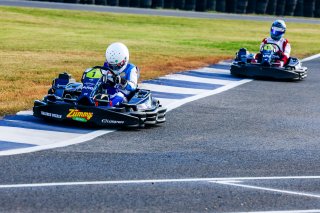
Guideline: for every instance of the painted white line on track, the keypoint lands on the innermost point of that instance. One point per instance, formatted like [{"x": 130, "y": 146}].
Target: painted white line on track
[
  {"x": 235, "y": 183},
  {"x": 171, "y": 89},
  {"x": 311, "y": 58},
  {"x": 182, "y": 77},
  {"x": 25, "y": 113},
  {"x": 215, "y": 69},
  {"x": 81, "y": 183},
  {"x": 77, "y": 140},
  {"x": 206, "y": 94},
  {"x": 285, "y": 211},
  {"x": 32, "y": 136}
]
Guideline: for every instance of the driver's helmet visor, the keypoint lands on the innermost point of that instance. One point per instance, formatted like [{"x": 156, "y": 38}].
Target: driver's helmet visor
[
  {"x": 277, "y": 31},
  {"x": 118, "y": 66}
]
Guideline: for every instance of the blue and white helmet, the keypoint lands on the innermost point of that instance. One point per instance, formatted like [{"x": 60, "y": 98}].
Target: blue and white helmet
[{"x": 278, "y": 28}]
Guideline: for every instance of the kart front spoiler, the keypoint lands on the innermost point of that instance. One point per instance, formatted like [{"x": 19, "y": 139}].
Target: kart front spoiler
[
  {"x": 258, "y": 71},
  {"x": 99, "y": 116}
]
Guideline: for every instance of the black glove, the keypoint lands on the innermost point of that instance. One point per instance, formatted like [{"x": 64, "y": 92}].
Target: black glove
[{"x": 119, "y": 80}]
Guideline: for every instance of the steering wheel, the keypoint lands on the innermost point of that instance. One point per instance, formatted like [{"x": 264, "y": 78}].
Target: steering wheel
[
  {"x": 105, "y": 68},
  {"x": 105, "y": 79},
  {"x": 275, "y": 46}
]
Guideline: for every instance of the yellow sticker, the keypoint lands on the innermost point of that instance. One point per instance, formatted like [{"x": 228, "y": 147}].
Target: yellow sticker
[
  {"x": 76, "y": 114},
  {"x": 268, "y": 47},
  {"x": 94, "y": 73}
]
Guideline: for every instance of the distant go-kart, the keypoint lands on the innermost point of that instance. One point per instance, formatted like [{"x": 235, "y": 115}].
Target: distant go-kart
[
  {"x": 267, "y": 66},
  {"x": 87, "y": 102}
]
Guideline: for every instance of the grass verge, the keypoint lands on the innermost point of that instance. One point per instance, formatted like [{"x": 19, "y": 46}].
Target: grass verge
[{"x": 37, "y": 44}]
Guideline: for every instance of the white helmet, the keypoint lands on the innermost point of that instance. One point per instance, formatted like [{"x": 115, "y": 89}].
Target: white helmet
[{"x": 117, "y": 56}]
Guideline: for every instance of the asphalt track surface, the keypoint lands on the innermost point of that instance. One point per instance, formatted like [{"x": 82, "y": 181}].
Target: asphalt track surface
[
  {"x": 259, "y": 129},
  {"x": 162, "y": 12},
  {"x": 252, "y": 148}
]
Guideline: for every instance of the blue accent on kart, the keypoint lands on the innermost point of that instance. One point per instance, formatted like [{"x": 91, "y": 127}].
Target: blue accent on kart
[
  {"x": 91, "y": 80},
  {"x": 116, "y": 100},
  {"x": 267, "y": 54},
  {"x": 184, "y": 84},
  {"x": 219, "y": 76},
  {"x": 60, "y": 83},
  {"x": 170, "y": 95},
  {"x": 5, "y": 145}
]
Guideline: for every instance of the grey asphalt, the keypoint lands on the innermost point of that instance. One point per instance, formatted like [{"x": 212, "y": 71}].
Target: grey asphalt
[
  {"x": 259, "y": 129},
  {"x": 159, "y": 12}
]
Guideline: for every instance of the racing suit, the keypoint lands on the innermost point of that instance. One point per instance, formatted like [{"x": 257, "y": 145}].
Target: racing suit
[
  {"x": 119, "y": 93},
  {"x": 284, "y": 45}
]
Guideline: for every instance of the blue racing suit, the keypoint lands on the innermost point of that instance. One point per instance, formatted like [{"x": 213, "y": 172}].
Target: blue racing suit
[{"x": 120, "y": 92}]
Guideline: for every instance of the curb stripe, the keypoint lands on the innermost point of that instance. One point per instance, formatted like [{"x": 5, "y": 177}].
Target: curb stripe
[
  {"x": 6, "y": 145},
  {"x": 170, "y": 89},
  {"x": 211, "y": 75},
  {"x": 185, "y": 84},
  {"x": 170, "y": 95},
  {"x": 198, "y": 79}
]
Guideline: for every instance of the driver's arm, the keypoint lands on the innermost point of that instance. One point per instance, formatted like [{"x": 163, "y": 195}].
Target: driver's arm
[
  {"x": 286, "y": 51},
  {"x": 264, "y": 41},
  {"x": 132, "y": 81}
]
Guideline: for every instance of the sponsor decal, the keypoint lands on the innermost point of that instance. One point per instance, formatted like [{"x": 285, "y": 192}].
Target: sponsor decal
[
  {"x": 93, "y": 74},
  {"x": 77, "y": 115},
  {"x": 48, "y": 114},
  {"x": 107, "y": 121},
  {"x": 87, "y": 87}
]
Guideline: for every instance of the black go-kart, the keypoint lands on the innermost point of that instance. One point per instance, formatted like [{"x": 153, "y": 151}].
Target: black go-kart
[
  {"x": 267, "y": 66},
  {"x": 87, "y": 102}
]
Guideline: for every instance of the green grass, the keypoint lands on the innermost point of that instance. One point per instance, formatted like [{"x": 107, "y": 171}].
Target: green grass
[{"x": 37, "y": 44}]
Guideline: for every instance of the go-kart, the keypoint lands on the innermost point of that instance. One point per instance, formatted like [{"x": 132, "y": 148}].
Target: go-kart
[
  {"x": 68, "y": 100},
  {"x": 267, "y": 66}
]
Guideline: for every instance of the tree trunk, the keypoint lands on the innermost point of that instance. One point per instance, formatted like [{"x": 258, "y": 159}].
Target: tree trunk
[
  {"x": 272, "y": 6},
  {"x": 157, "y": 3},
  {"x": 211, "y": 4},
  {"x": 317, "y": 9},
  {"x": 231, "y": 6},
  {"x": 261, "y": 6},
  {"x": 168, "y": 4},
  {"x": 299, "y": 8},
  {"x": 113, "y": 2},
  {"x": 308, "y": 9},
  {"x": 221, "y": 5},
  {"x": 280, "y": 7},
  {"x": 179, "y": 4},
  {"x": 190, "y": 5},
  {"x": 241, "y": 6},
  {"x": 251, "y": 8},
  {"x": 134, "y": 3},
  {"x": 201, "y": 5},
  {"x": 290, "y": 7},
  {"x": 124, "y": 3},
  {"x": 146, "y": 3}
]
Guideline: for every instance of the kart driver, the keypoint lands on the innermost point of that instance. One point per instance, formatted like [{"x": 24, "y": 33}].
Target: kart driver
[
  {"x": 125, "y": 82},
  {"x": 278, "y": 29}
]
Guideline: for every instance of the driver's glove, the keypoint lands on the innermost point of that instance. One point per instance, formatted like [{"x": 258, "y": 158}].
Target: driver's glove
[{"x": 120, "y": 80}]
